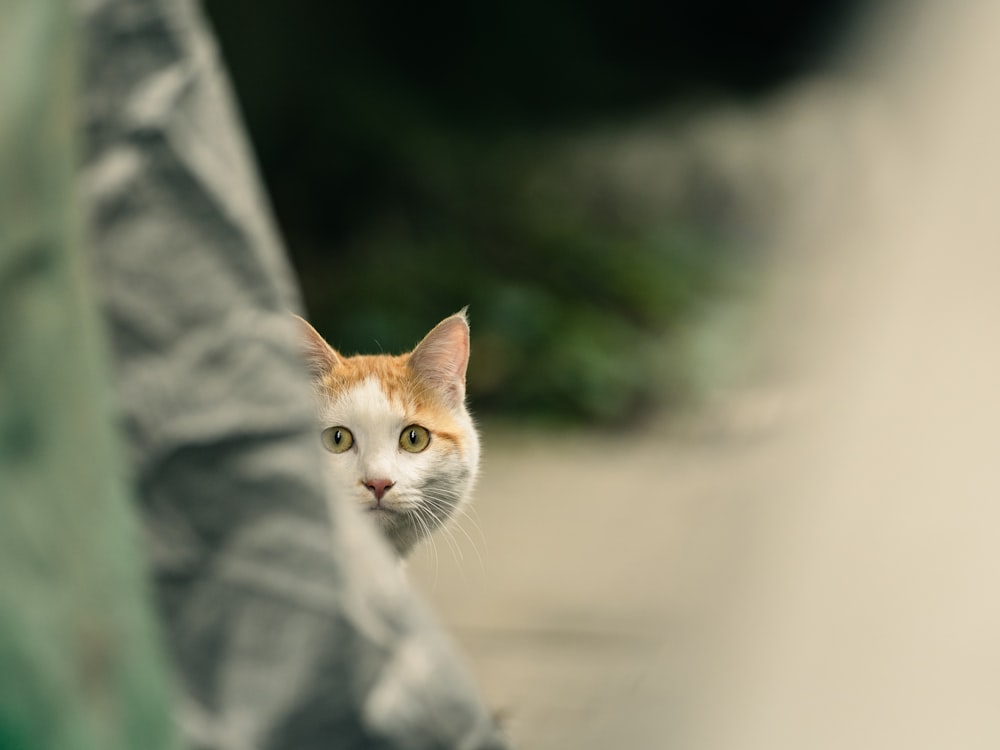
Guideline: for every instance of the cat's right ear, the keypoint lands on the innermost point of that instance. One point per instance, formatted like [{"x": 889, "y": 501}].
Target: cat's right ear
[{"x": 319, "y": 356}]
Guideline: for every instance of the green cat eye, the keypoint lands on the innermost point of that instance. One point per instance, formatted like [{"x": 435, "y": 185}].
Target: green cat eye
[
  {"x": 414, "y": 438},
  {"x": 337, "y": 439}
]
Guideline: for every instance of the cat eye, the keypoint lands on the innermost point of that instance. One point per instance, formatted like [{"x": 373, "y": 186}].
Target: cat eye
[
  {"x": 337, "y": 439},
  {"x": 414, "y": 438}
]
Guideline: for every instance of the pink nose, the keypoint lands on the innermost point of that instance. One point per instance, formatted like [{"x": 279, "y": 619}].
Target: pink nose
[{"x": 379, "y": 486}]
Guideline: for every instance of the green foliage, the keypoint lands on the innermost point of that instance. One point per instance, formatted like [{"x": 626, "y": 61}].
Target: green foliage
[
  {"x": 570, "y": 303},
  {"x": 418, "y": 160}
]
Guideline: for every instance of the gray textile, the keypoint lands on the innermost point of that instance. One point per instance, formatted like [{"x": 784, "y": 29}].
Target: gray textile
[{"x": 288, "y": 624}]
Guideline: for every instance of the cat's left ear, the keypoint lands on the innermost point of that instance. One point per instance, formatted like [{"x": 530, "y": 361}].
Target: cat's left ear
[
  {"x": 443, "y": 356},
  {"x": 319, "y": 355}
]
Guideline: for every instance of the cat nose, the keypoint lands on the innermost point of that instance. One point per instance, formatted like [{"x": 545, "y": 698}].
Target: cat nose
[{"x": 379, "y": 486}]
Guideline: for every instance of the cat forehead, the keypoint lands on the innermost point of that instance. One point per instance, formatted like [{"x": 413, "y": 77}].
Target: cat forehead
[
  {"x": 390, "y": 373},
  {"x": 380, "y": 395},
  {"x": 366, "y": 400}
]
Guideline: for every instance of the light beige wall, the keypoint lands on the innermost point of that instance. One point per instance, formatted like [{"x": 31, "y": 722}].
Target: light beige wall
[{"x": 868, "y": 613}]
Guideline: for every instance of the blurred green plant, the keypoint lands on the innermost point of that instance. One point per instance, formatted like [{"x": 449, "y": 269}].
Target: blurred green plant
[
  {"x": 572, "y": 298},
  {"x": 81, "y": 662},
  {"x": 421, "y": 157}
]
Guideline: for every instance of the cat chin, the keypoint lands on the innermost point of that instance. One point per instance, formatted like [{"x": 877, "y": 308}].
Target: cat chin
[
  {"x": 384, "y": 518},
  {"x": 401, "y": 537},
  {"x": 395, "y": 527}
]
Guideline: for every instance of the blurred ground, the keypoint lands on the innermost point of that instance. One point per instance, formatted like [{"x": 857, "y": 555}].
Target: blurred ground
[
  {"x": 593, "y": 560},
  {"x": 815, "y": 568},
  {"x": 590, "y": 587}
]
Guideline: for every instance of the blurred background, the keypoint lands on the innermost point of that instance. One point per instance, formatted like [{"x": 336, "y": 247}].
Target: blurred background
[
  {"x": 763, "y": 237},
  {"x": 546, "y": 165}
]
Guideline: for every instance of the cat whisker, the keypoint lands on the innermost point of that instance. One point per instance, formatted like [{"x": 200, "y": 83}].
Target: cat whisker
[
  {"x": 450, "y": 532},
  {"x": 423, "y": 531},
  {"x": 453, "y": 542},
  {"x": 450, "y": 508},
  {"x": 472, "y": 542},
  {"x": 465, "y": 513},
  {"x": 449, "y": 539}
]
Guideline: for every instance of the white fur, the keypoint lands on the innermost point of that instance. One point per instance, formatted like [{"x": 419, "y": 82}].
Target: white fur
[{"x": 428, "y": 486}]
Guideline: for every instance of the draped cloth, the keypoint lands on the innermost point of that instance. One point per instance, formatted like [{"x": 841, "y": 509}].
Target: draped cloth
[{"x": 286, "y": 622}]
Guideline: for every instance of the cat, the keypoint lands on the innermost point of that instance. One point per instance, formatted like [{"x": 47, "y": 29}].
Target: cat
[{"x": 400, "y": 442}]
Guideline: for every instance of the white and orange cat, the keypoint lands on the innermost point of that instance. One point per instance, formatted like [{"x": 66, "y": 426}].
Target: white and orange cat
[{"x": 400, "y": 440}]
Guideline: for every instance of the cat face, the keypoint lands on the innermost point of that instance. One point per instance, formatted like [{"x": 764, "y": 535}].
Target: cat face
[{"x": 399, "y": 441}]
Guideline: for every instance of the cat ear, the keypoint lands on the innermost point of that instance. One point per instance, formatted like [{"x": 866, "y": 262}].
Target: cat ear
[
  {"x": 320, "y": 357},
  {"x": 443, "y": 356}
]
